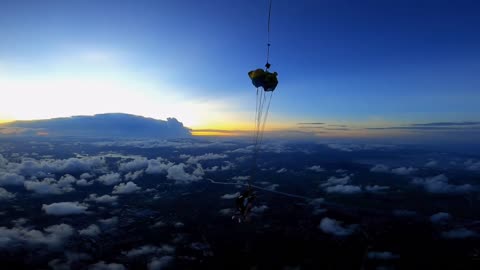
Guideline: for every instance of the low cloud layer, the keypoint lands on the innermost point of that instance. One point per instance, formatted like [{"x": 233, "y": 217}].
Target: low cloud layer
[
  {"x": 335, "y": 227},
  {"x": 64, "y": 208}
]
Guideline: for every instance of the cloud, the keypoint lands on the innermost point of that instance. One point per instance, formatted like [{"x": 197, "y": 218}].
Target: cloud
[
  {"x": 86, "y": 176},
  {"x": 259, "y": 209},
  {"x": 443, "y": 124},
  {"x": 440, "y": 217},
  {"x": 208, "y": 156},
  {"x": 282, "y": 170},
  {"x": 127, "y": 188},
  {"x": 336, "y": 181},
  {"x": 344, "y": 189},
  {"x": 316, "y": 168},
  {"x": 460, "y": 233},
  {"x": 102, "y": 199},
  {"x": 160, "y": 263},
  {"x": 231, "y": 196},
  {"x": 177, "y": 173},
  {"x": 382, "y": 255},
  {"x": 133, "y": 175},
  {"x": 84, "y": 183},
  {"x": 472, "y": 165},
  {"x": 7, "y": 178},
  {"x": 227, "y": 211},
  {"x": 53, "y": 237},
  {"x": 48, "y": 186},
  {"x": 334, "y": 227},
  {"x": 71, "y": 257},
  {"x": 439, "y": 184},
  {"x": 431, "y": 163},
  {"x": 272, "y": 187},
  {"x": 110, "y": 179},
  {"x": 64, "y": 208},
  {"x": 404, "y": 170},
  {"x": 310, "y": 123},
  {"x": 380, "y": 168},
  {"x": 158, "y": 166},
  {"x": 5, "y": 195},
  {"x": 33, "y": 167},
  {"x": 108, "y": 222},
  {"x": 103, "y": 266},
  {"x": 149, "y": 249},
  {"x": 91, "y": 231},
  {"x": 138, "y": 163}
]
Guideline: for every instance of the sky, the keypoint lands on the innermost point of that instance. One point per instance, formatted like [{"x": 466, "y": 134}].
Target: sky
[{"x": 361, "y": 68}]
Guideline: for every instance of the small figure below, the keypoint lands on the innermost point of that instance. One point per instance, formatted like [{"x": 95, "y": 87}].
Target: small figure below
[
  {"x": 265, "y": 79},
  {"x": 244, "y": 205}
]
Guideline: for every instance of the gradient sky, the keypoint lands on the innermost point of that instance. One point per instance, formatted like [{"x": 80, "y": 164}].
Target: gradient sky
[{"x": 353, "y": 64}]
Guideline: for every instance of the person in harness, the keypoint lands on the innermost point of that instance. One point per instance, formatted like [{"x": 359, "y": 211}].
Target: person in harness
[{"x": 244, "y": 204}]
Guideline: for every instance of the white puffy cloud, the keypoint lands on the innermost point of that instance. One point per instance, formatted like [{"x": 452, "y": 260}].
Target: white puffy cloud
[
  {"x": 158, "y": 166},
  {"x": 110, "y": 179},
  {"x": 336, "y": 181},
  {"x": 380, "y": 168},
  {"x": 316, "y": 168},
  {"x": 344, "y": 189},
  {"x": 64, "y": 208},
  {"x": 104, "y": 266},
  {"x": 133, "y": 175},
  {"x": 138, "y": 163},
  {"x": 259, "y": 209},
  {"x": 7, "y": 178},
  {"x": 440, "y": 217},
  {"x": 86, "y": 176},
  {"x": 70, "y": 257},
  {"x": 33, "y": 167},
  {"x": 439, "y": 184},
  {"x": 48, "y": 186},
  {"x": 178, "y": 173},
  {"x": 231, "y": 196},
  {"x": 83, "y": 183},
  {"x": 91, "y": 231},
  {"x": 108, "y": 222},
  {"x": 53, "y": 237},
  {"x": 5, "y": 195},
  {"x": 102, "y": 199},
  {"x": 404, "y": 170},
  {"x": 160, "y": 263},
  {"x": 127, "y": 188},
  {"x": 149, "y": 249},
  {"x": 459, "y": 233},
  {"x": 382, "y": 255},
  {"x": 208, "y": 156},
  {"x": 431, "y": 163},
  {"x": 332, "y": 226}
]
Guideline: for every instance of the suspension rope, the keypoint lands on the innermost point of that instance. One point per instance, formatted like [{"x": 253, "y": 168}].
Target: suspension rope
[
  {"x": 267, "y": 65},
  {"x": 261, "y": 188}
]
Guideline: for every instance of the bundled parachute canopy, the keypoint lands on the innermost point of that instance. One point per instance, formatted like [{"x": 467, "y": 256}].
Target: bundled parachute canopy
[{"x": 265, "y": 79}]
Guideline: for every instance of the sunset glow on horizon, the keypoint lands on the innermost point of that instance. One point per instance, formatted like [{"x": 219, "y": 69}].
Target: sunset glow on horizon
[{"x": 148, "y": 59}]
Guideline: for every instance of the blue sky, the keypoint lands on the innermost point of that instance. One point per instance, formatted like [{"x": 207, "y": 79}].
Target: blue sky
[{"x": 357, "y": 63}]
